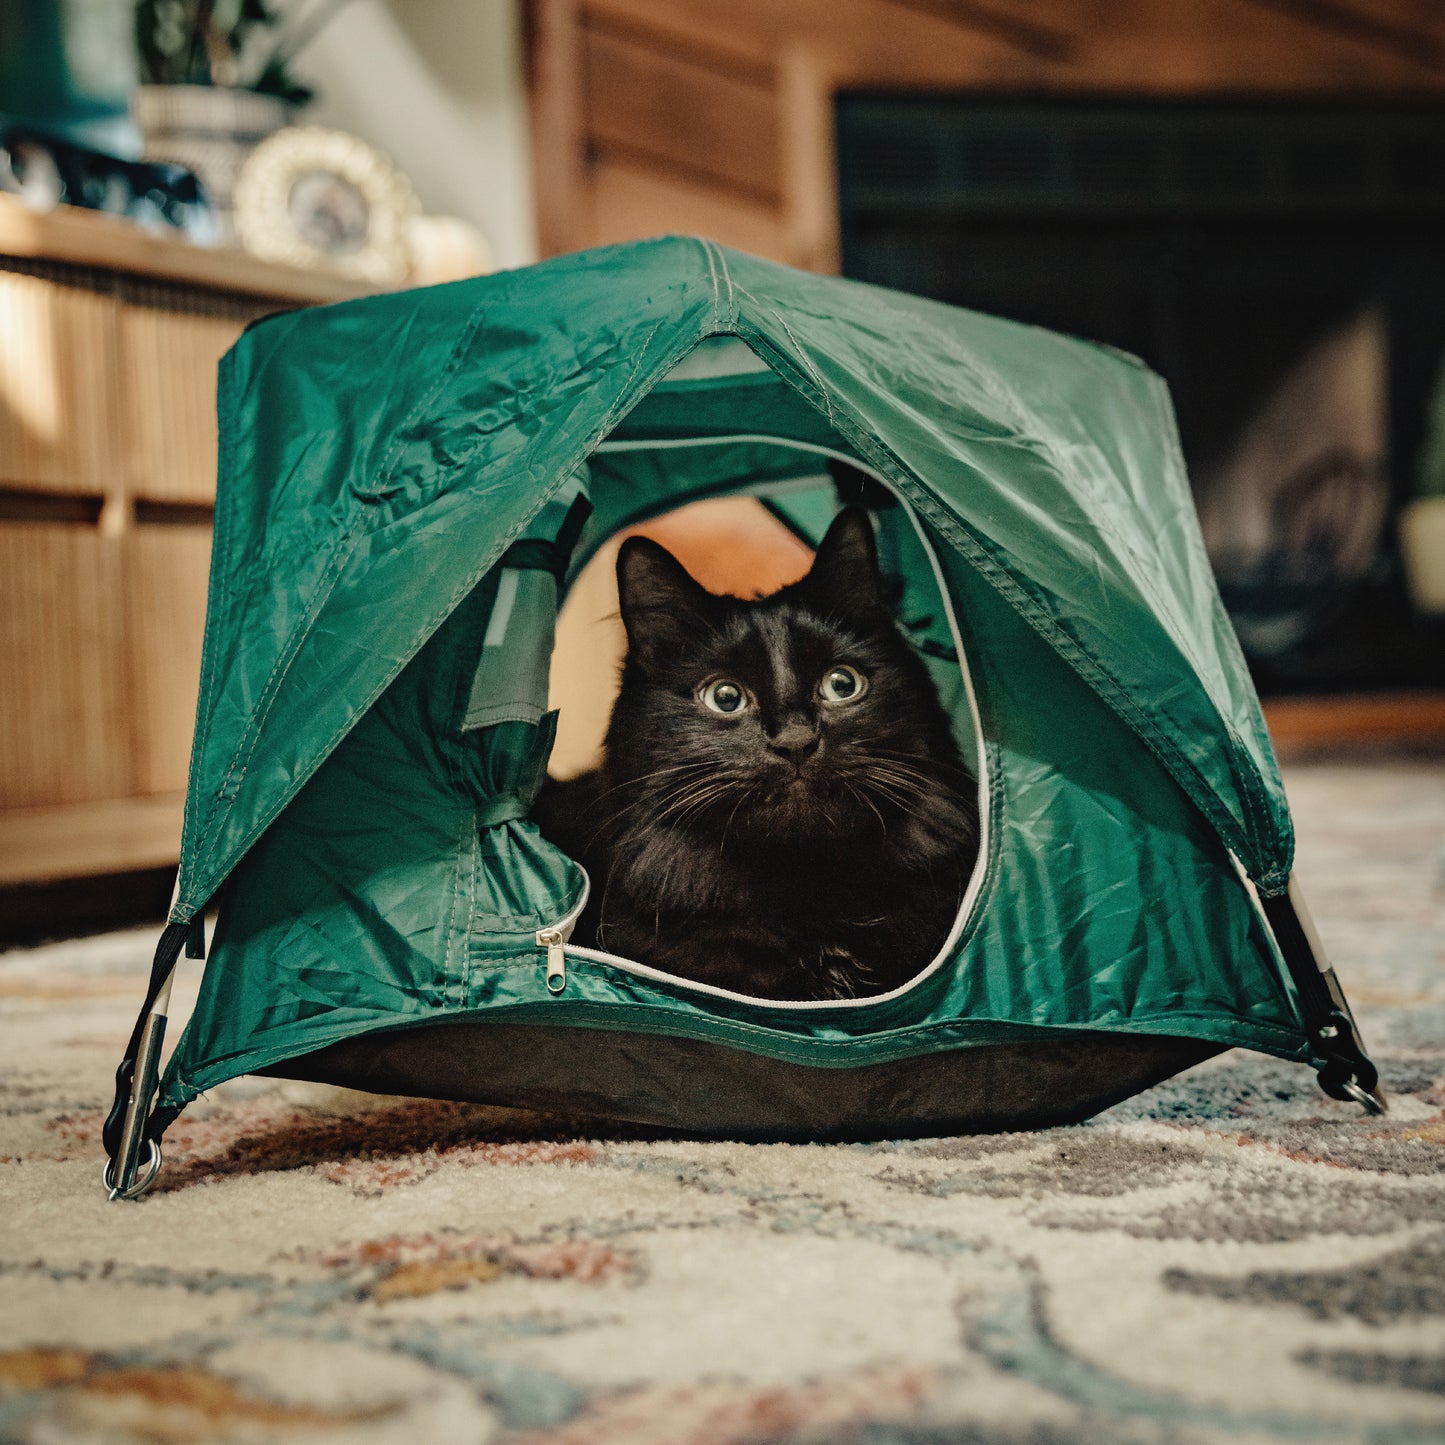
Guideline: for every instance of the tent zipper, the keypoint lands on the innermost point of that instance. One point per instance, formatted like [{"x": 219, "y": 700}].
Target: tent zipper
[
  {"x": 555, "y": 935},
  {"x": 552, "y": 940}
]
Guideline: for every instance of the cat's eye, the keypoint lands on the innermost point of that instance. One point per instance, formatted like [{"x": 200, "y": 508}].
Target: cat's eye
[
  {"x": 842, "y": 684},
  {"x": 724, "y": 696}
]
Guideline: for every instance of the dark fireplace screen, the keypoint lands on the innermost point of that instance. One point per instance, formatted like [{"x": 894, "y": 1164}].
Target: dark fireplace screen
[{"x": 1283, "y": 266}]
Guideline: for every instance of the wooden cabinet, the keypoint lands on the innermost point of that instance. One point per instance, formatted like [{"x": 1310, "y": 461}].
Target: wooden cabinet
[{"x": 109, "y": 340}]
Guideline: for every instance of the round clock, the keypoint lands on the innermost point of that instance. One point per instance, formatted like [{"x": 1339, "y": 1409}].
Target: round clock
[{"x": 309, "y": 196}]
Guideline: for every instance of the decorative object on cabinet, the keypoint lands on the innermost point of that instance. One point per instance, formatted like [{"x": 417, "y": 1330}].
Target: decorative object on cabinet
[
  {"x": 209, "y": 129},
  {"x": 320, "y": 198},
  {"x": 45, "y": 171},
  {"x": 446, "y": 248},
  {"x": 218, "y": 81}
]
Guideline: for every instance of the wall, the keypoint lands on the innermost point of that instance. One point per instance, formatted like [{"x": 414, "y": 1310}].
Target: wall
[{"x": 437, "y": 85}]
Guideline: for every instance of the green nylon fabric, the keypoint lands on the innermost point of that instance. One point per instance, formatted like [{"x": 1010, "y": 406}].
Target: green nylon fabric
[
  {"x": 361, "y": 778},
  {"x": 356, "y": 439},
  {"x": 378, "y": 901}
]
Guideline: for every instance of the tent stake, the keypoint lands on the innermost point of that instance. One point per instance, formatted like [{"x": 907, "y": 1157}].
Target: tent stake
[
  {"x": 124, "y": 1176},
  {"x": 1348, "y": 1071},
  {"x": 126, "y": 1133}
]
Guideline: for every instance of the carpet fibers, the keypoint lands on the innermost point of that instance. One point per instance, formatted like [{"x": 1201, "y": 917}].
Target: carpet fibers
[{"x": 1229, "y": 1257}]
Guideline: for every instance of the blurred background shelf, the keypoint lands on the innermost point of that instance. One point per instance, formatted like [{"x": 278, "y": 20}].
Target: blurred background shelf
[
  {"x": 116, "y": 835},
  {"x": 109, "y": 243}
]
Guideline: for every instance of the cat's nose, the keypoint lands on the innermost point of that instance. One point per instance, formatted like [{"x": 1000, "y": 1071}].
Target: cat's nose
[{"x": 796, "y": 741}]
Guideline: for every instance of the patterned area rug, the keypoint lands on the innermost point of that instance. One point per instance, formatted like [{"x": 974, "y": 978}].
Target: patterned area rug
[{"x": 1230, "y": 1257}]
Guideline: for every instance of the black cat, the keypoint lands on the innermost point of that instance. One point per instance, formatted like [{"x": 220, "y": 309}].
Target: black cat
[{"x": 782, "y": 810}]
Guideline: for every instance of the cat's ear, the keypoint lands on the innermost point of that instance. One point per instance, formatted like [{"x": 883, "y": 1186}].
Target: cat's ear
[
  {"x": 845, "y": 578},
  {"x": 664, "y": 610}
]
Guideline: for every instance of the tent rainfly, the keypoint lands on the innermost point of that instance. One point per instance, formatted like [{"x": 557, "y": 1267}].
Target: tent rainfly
[{"x": 409, "y": 483}]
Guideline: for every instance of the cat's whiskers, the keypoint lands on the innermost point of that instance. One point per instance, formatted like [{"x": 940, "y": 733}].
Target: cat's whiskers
[
  {"x": 899, "y": 782},
  {"x": 863, "y": 798},
  {"x": 910, "y": 760},
  {"x": 689, "y": 794},
  {"x": 645, "y": 778},
  {"x": 895, "y": 789},
  {"x": 905, "y": 800},
  {"x": 683, "y": 807},
  {"x": 650, "y": 798}
]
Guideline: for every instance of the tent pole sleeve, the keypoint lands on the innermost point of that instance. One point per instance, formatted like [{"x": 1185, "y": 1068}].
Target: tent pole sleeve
[
  {"x": 1347, "y": 1071},
  {"x": 130, "y": 1129}
]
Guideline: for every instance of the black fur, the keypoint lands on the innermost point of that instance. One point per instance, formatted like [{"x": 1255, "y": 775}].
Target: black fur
[{"x": 799, "y": 848}]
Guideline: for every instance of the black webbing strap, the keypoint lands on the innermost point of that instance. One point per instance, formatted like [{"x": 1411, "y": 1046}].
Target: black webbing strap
[
  {"x": 168, "y": 950},
  {"x": 536, "y": 553},
  {"x": 1347, "y": 1072}
]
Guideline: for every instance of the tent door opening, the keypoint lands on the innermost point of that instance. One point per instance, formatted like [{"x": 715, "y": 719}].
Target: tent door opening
[{"x": 805, "y": 503}]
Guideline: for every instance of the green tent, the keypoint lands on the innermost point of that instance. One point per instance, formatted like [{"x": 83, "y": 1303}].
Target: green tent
[{"x": 407, "y": 486}]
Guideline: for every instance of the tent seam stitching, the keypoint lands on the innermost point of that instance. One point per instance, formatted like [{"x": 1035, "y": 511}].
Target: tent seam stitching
[
  {"x": 454, "y": 358},
  {"x": 466, "y": 824},
  {"x": 807, "y": 361},
  {"x": 712, "y": 271},
  {"x": 344, "y": 545},
  {"x": 221, "y": 552},
  {"x": 728, "y": 277},
  {"x": 612, "y": 413},
  {"x": 1179, "y": 766},
  {"x": 342, "y": 551},
  {"x": 458, "y": 597}
]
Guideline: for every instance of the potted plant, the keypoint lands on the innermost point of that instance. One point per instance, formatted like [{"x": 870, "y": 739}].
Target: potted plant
[{"x": 215, "y": 82}]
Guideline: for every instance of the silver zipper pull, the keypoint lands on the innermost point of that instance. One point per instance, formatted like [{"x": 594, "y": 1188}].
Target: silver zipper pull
[{"x": 552, "y": 940}]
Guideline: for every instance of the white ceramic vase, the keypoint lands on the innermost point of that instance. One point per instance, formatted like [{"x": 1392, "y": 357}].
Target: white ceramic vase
[{"x": 209, "y": 129}]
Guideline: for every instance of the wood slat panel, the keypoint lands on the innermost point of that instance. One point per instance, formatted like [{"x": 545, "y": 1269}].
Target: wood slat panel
[
  {"x": 627, "y": 204},
  {"x": 169, "y": 359},
  {"x": 1398, "y": 27},
  {"x": 809, "y": 162},
  {"x": 64, "y": 731},
  {"x": 58, "y": 409},
  {"x": 1045, "y": 28},
  {"x": 663, "y": 160},
  {"x": 1426, "y": 15},
  {"x": 857, "y": 39},
  {"x": 1150, "y": 46},
  {"x": 695, "y": 120},
  {"x": 166, "y": 570},
  {"x": 558, "y": 134},
  {"x": 1221, "y": 46}
]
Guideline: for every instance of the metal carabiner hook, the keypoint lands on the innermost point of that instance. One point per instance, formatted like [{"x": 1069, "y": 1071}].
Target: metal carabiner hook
[
  {"x": 1366, "y": 1100},
  {"x": 145, "y": 1175}
]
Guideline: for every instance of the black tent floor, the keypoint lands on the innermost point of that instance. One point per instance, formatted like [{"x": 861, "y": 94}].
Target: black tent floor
[{"x": 706, "y": 1090}]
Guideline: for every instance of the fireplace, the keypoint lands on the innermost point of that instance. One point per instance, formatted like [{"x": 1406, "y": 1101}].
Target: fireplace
[{"x": 1283, "y": 267}]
